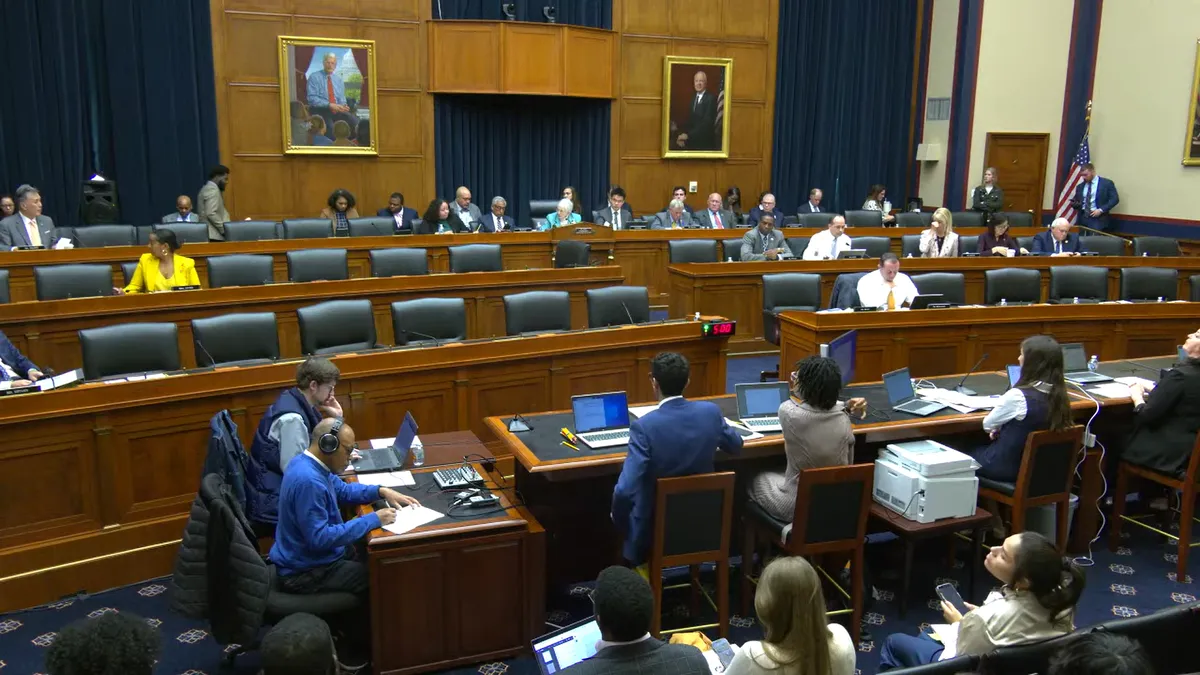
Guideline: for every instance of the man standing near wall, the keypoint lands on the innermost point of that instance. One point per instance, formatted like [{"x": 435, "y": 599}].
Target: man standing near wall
[{"x": 1095, "y": 197}]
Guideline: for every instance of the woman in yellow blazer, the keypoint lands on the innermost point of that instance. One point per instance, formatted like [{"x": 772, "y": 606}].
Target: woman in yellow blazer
[{"x": 161, "y": 269}]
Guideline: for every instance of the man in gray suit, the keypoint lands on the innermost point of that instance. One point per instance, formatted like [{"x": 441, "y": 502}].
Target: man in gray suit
[
  {"x": 27, "y": 227},
  {"x": 673, "y": 218},
  {"x": 212, "y": 202},
  {"x": 714, "y": 217},
  {"x": 624, "y": 607},
  {"x": 763, "y": 241},
  {"x": 183, "y": 212},
  {"x": 464, "y": 210}
]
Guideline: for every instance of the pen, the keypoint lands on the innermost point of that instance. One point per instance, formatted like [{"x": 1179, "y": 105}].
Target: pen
[{"x": 569, "y": 446}]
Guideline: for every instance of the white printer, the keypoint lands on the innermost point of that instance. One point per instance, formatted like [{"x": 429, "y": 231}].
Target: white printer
[{"x": 926, "y": 481}]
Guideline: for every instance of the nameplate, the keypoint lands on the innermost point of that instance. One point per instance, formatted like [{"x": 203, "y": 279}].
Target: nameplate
[
  {"x": 584, "y": 230},
  {"x": 20, "y": 390},
  {"x": 28, "y": 248},
  {"x": 185, "y": 288}
]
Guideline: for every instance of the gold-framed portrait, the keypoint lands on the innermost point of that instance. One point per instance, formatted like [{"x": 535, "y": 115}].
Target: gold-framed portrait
[
  {"x": 1191, "y": 145},
  {"x": 326, "y": 95},
  {"x": 695, "y": 110}
]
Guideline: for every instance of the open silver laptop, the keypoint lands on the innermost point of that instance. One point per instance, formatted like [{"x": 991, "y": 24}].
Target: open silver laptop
[
  {"x": 1075, "y": 363},
  {"x": 758, "y": 404},
  {"x": 601, "y": 420},
  {"x": 903, "y": 397}
]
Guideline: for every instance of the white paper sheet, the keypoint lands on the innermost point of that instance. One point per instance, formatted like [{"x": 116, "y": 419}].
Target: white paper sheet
[
  {"x": 642, "y": 410},
  {"x": 947, "y": 634},
  {"x": 960, "y": 402},
  {"x": 1110, "y": 390},
  {"x": 1128, "y": 381},
  {"x": 387, "y": 479},
  {"x": 411, "y": 517},
  {"x": 738, "y": 425}
]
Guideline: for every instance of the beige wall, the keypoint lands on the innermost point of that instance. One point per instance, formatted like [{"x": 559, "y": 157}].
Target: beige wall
[
  {"x": 943, "y": 34},
  {"x": 1140, "y": 105}
]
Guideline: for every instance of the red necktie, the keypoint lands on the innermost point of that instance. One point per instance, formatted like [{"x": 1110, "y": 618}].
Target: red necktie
[
  {"x": 329, "y": 88},
  {"x": 717, "y": 217}
]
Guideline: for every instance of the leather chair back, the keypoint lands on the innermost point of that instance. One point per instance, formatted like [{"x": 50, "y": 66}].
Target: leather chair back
[
  {"x": 336, "y": 326},
  {"x": 240, "y": 270},
  {"x": 1162, "y": 634},
  {"x": 129, "y": 348},
  {"x": 832, "y": 504},
  {"x": 537, "y": 224},
  {"x": 245, "y": 338},
  {"x": 476, "y": 258},
  {"x": 537, "y": 312},
  {"x": 958, "y": 664},
  {"x": 1102, "y": 245},
  {"x": 540, "y": 208},
  {"x": 318, "y": 264},
  {"x": 1148, "y": 283},
  {"x": 617, "y": 305},
  {"x": 143, "y": 234},
  {"x": 4, "y": 293},
  {"x": 732, "y": 249},
  {"x": 910, "y": 245},
  {"x": 128, "y": 269},
  {"x": 787, "y": 291},
  {"x": 372, "y": 227},
  {"x": 916, "y": 219},
  {"x": 1025, "y": 243},
  {"x": 816, "y": 219},
  {"x": 692, "y": 251},
  {"x": 1015, "y": 219},
  {"x": 96, "y": 236},
  {"x": 845, "y": 290},
  {"x": 1030, "y": 657},
  {"x": 860, "y": 218},
  {"x": 875, "y": 246},
  {"x": 1155, "y": 246},
  {"x": 1083, "y": 282},
  {"x": 797, "y": 245},
  {"x": 82, "y": 280},
  {"x": 398, "y": 262},
  {"x": 1012, "y": 285},
  {"x": 968, "y": 243},
  {"x": 967, "y": 219},
  {"x": 788, "y": 221},
  {"x": 443, "y": 318},
  {"x": 952, "y": 285},
  {"x": 254, "y": 230},
  {"x": 572, "y": 253},
  {"x": 307, "y": 228},
  {"x": 186, "y": 233}
]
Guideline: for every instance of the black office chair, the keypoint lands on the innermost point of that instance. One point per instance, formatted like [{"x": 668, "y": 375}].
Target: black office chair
[
  {"x": 540, "y": 208},
  {"x": 255, "y": 230},
  {"x": 1012, "y": 285},
  {"x": 958, "y": 664},
  {"x": 142, "y": 232},
  {"x": 617, "y": 306},
  {"x": 968, "y": 243},
  {"x": 244, "y": 339},
  {"x": 952, "y": 285},
  {"x": 128, "y": 269},
  {"x": 572, "y": 253},
  {"x": 129, "y": 348},
  {"x": 398, "y": 262},
  {"x": 372, "y": 227},
  {"x": 96, "y": 236},
  {"x": 1031, "y": 657},
  {"x": 536, "y": 224},
  {"x": 910, "y": 245},
  {"x": 336, "y": 326},
  {"x": 875, "y": 246},
  {"x": 1025, "y": 243},
  {"x": 537, "y": 312},
  {"x": 318, "y": 264},
  {"x": 1155, "y": 246},
  {"x": 967, "y": 219},
  {"x": 307, "y": 228},
  {"x": 186, "y": 233},
  {"x": 692, "y": 251},
  {"x": 915, "y": 219},
  {"x": 1164, "y": 634},
  {"x": 81, "y": 280},
  {"x": 1082, "y": 282},
  {"x": 1194, "y": 288},
  {"x": 790, "y": 221},
  {"x": 792, "y": 291},
  {"x": 1103, "y": 245},
  {"x": 1148, "y": 283},
  {"x": 816, "y": 219},
  {"x": 240, "y": 270},
  {"x": 845, "y": 290},
  {"x": 427, "y": 321},
  {"x": 864, "y": 218},
  {"x": 476, "y": 258},
  {"x": 1015, "y": 218},
  {"x": 732, "y": 249},
  {"x": 797, "y": 245},
  {"x": 4, "y": 292}
]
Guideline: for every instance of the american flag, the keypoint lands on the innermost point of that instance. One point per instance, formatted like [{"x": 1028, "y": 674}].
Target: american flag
[
  {"x": 720, "y": 111},
  {"x": 1063, "y": 208}
]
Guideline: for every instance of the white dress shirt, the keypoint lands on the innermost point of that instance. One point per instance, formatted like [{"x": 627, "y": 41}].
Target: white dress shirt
[
  {"x": 821, "y": 245},
  {"x": 31, "y": 230},
  {"x": 399, "y": 217},
  {"x": 815, "y": 208},
  {"x": 752, "y": 659},
  {"x": 12, "y": 375},
  {"x": 1011, "y": 407},
  {"x": 873, "y": 290}
]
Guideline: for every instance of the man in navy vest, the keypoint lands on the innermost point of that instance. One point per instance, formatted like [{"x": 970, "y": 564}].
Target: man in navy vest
[{"x": 284, "y": 432}]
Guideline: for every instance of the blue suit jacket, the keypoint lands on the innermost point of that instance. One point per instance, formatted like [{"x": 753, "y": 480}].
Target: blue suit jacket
[
  {"x": 1043, "y": 243},
  {"x": 678, "y": 439},
  {"x": 756, "y": 213},
  {"x": 14, "y": 358},
  {"x": 1106, "y": 199},
  {"x": 487, "y": 224},
  {"x": 409, "y": 215}
]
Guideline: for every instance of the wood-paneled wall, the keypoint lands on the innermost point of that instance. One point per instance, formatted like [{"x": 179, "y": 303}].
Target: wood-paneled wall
[
  {"x": 743, "y": 30},
  {"x": 265, "y": 183}
]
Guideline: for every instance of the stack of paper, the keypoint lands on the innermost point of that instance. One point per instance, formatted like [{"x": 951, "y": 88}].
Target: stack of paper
[
  {"x": 387, "y": 479},
  {"x": 642, "y": 410},
  {"x": 960, "y": 402}
]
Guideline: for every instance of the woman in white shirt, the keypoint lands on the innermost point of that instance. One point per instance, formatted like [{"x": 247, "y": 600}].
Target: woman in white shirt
[
  {"x": 940, "y": 241},
  {"x": 877, "y": 201},
  {"x": 1036, "y": 603},
  {"x": 797, "y": 638}
]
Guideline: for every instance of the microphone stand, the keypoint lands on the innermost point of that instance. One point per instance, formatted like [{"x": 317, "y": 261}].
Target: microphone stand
[{"x": 1103, "y": 233}]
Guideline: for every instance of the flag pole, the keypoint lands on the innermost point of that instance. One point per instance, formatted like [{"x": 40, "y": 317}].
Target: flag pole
[{"x": 1087, "y": 120}]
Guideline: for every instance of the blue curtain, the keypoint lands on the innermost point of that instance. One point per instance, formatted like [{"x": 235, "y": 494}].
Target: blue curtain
[
  {"x": 123, "y": 88},
  {"x": 521, "y": 148},
  {"x": 842, "y": 100},
  {"x": 591, "y": 13}
]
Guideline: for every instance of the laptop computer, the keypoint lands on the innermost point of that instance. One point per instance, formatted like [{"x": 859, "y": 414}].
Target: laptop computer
[
  {"x": 601, "y": 420},
  {"x": 758, "y": 404},
  {"x": 853, "y": 253},
  {"x": 1014, "y": 374},
  {"x": 566, "y": 646},
  {"x": 390, "y": 458},
  {"x": 903, "y": 397},
  {"x": 926, "y": 300},
  {"x": 1075, "y": 364}
]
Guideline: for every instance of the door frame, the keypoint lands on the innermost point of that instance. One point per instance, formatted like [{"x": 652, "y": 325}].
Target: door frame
[{"x": 1041, "y": 187}]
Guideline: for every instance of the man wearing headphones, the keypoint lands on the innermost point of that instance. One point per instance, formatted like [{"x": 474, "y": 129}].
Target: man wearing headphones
[{"x": 313, "y": 550}]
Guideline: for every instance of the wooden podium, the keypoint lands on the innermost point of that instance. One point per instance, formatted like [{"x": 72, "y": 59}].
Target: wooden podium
[{"x": 599, "y": 237}]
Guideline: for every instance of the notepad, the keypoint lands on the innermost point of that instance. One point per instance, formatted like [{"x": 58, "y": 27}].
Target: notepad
[
  {"x": 387, "y": 479},
  {"x": 411, "y": 517}
]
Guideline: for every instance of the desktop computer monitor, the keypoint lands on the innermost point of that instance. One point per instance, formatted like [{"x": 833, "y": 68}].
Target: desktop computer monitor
[{"x": 842, "y": 350}]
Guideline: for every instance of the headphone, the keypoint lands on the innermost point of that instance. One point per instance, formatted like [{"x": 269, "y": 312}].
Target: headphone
[{"x": 328, "y": 443}]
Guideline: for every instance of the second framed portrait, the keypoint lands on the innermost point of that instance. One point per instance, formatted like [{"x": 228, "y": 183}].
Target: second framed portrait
[
  {"x": 327, "y": 93},
  {"x": 695, "y": 112}
]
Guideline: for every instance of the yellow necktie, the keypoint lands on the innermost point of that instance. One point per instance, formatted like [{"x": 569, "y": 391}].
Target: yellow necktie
[
  {"x": 891, "y": 299},
  {"x": 35, "y": 237}
]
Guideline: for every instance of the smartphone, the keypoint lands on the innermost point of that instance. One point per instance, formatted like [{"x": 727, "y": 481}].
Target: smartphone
[
  {"x": 950, "y": 594},
  {"x": 724, "y": 651}
]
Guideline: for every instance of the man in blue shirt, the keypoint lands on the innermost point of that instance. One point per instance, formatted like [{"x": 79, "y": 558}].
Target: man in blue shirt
[
  {"x": 326, "y": 95},
  {"x": 313, "y": 550}
]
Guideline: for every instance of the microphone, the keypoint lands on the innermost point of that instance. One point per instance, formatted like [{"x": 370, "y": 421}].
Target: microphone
[
  {"x": 426, "y": 336},
  {"x": 628, "y": 313},
  {"x": 963, "y": 390},
  {"x": 1144, "y": 367},
  {"x": 211, "y": 360}
]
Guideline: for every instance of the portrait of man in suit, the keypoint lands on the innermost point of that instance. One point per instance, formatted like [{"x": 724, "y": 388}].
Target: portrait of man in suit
[
  {"x": 695, "y": 103},
  {"x": 327, "y": 89}
]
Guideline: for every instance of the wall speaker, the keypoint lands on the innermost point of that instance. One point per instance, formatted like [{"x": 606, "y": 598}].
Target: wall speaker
[{"x": 99, "y": 203}]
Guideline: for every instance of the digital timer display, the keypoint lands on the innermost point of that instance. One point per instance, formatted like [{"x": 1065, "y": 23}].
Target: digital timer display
[{"x": 718, "y": 328}]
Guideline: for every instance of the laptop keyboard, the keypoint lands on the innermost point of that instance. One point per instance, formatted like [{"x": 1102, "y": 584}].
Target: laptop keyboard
[
  {"x": 915, "y": 405},
  {"x": 606, "y": 435},
  {"x": 762, "y": 422}
]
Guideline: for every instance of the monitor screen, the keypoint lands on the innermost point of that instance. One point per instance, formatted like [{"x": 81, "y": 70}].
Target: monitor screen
[
  {"x": 566, "y": 647},
  {"x": 406, "y": 434},
  {"x": 1014, "y": 375},
  {"x": 760, "y": 400},
  {"x": 600, "y": 411},
  {"x": 1074, "y": 358},
  {"x": 899, "y": 386},
  {"x": 842, "y": 350}
]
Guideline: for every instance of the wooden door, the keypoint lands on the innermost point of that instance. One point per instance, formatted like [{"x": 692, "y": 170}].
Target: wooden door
[{"x": 1020, "y": 159}]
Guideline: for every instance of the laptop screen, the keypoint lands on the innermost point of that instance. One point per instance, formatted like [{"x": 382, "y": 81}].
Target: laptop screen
[
  {"x": 899, "y": 386},
  {"x": 406, "y": 434},
  {"x": 760, "y": 400},
  {"x": 1014, "y": 375},
  {"x": 842, "y": 349},
  {"x": 600, "y": 411},
  {"x": 566, "y": 647},
  {"x": 1074, "y": 358}
]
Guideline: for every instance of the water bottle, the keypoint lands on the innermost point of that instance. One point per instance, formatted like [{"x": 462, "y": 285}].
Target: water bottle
[
  {"x": 1160, "y": 298},
  {"x": 1076, "y": 301},
  {"x": 729, "y": 259},
  {"x": 1004, "y": 302},
  {"x": 1093, "y": 363},
  {"x": 418, "y": 454}
]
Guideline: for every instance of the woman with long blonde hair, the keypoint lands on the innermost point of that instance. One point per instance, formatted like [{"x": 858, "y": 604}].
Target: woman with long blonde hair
[{"x": 797, "y": 638}]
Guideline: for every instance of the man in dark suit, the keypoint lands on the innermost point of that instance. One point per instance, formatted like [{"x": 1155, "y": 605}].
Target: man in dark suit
[
  {"x": 624, "y": 610},
  {"x": 813, "y": 205},
  {"x": 679, "y": 438},
  {"x": 766, "y": 204},
  {"x": 399, "y": 213},
  {"x": 616, "y": 214},
  {"x": 27, "y": 227},
  {"x": 674, "y": 218},
  {"x": 715, "y": 217},
  {"x": 1057, "y": 241},
  {"x": 16, "y": 370},
  {"x": 183, "y": 212},
  {"x": 679, "y": 193},
  {"x": 496, "y": 221},
  {"x": 700, "y": 132},
  {"x": 1095, "y": 197}
]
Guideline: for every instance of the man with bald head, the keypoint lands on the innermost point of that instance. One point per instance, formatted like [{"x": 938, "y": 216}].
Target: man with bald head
[
  {"x": 1057, "y": 241},
  {"x": 314, "y": 548},
  {"x": 714, "y": 216},
  {"x": 700, "y": 133},
  {"x": 183, "y": 212},
  {"x": 464, "y": 210}
]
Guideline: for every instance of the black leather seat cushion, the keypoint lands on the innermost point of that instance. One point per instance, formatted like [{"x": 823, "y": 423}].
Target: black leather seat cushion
[{"x": 998, "y": 486}]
